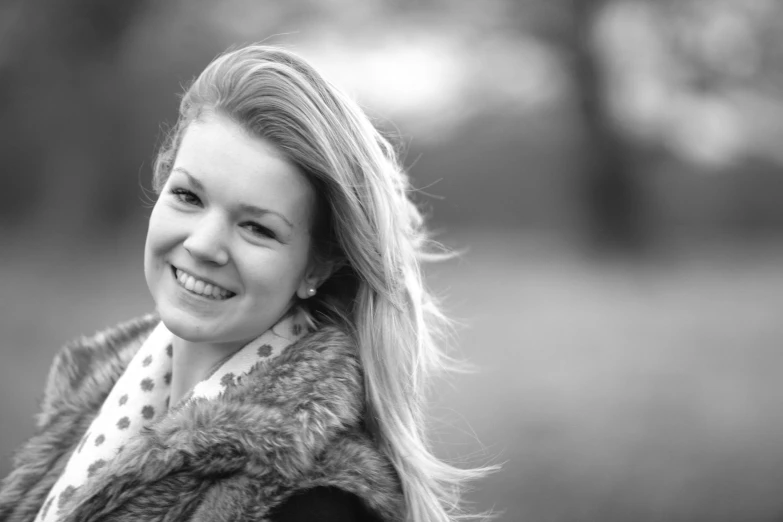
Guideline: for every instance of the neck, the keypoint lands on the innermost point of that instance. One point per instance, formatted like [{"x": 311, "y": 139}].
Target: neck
[{"x": 192, "y": 362}]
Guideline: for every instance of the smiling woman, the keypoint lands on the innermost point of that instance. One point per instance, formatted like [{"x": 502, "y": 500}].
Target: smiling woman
[
  {"x": 282, "y": 376},
  {"x": 228, "y": 248}
]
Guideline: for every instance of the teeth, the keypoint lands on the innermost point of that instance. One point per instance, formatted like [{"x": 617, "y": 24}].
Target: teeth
[{"x": 200, "y": 287}]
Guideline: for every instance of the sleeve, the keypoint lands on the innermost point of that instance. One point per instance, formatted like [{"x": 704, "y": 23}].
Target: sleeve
[{"x": 323, "y": 504}]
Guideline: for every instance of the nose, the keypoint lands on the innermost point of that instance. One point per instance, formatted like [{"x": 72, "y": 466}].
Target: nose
[{"x": 207, "y": 240}]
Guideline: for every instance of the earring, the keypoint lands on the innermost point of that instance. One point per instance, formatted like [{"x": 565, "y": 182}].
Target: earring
[{"x": 311, "y": 291}]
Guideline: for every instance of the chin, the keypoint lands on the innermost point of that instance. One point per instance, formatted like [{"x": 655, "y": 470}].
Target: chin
[{"x": 185, "y": 326}]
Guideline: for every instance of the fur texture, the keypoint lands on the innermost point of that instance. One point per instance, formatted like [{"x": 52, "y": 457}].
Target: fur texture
[{"x": 294, "y": 422}]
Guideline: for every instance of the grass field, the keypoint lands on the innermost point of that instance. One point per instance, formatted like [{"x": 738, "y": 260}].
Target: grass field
[{"x": 609, "y": 390}]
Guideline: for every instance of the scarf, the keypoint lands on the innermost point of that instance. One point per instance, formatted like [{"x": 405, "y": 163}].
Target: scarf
[{"x": 140, "y": 397}]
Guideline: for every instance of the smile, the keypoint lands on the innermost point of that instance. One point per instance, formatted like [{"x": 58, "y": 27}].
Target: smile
[{"x": 199, "y": 287}]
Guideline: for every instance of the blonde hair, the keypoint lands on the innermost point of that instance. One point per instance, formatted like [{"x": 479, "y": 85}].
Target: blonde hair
[{"x": 366, "y": 223}]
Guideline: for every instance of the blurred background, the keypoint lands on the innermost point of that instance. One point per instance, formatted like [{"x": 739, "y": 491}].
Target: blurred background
[{"x": 611, "y": 169}]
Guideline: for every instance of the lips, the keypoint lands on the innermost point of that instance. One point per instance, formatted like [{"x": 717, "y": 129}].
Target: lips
[{"x": 198, "y": 286}]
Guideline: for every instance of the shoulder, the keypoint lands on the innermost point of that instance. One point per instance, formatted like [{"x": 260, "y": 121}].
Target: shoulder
[{"x": 88, "y": 364}]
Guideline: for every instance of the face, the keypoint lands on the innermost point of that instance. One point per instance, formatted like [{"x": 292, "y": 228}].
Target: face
[{"x": 228, "y": 243}]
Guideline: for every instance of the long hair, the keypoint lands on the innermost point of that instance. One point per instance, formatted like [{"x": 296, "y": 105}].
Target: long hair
[{"x": 366, "y": 224}]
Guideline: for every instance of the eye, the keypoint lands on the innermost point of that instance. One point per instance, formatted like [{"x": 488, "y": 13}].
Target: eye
[
  {"x": 259, "y": 230},
  {"x": 186, "y": 196}
]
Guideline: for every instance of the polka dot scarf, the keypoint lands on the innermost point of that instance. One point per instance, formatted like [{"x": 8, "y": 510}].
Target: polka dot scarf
[{"x": 140, "y": 397}]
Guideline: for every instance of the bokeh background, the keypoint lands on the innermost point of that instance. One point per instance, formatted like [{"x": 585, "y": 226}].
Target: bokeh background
[{"x": 611, "y": 170}]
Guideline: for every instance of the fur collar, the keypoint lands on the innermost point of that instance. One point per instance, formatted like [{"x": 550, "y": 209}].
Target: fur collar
[{"x": 295, "y": 421}]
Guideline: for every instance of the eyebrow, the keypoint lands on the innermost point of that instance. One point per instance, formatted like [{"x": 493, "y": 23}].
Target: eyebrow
[
  {"x": 244, "y": 207},
  {"x": 252, "y": 209}
]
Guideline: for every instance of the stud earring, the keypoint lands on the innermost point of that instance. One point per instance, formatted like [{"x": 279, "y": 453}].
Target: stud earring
[{"x": 311, "y": 291}]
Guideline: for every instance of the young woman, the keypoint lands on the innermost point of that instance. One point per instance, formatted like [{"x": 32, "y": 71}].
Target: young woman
[{"x": 282, "y": 376}]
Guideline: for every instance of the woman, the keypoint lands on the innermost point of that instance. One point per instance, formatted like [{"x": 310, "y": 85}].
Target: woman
[{"x": 282, "y": 376}]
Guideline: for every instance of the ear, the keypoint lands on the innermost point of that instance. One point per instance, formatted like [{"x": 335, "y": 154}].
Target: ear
[{"x": 316, "y": 274}]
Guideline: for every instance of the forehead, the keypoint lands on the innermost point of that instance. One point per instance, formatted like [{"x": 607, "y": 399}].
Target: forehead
[{"x": 240, "y": 169}]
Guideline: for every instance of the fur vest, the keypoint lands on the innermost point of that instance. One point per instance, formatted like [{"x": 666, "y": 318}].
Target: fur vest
[{"x": 294, "y": 423}]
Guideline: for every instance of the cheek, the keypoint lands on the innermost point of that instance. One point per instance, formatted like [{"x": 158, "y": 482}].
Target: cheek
[
  {"x": 161, "y": 231},
  {"x": 271, "y": 272},
  {"x": 151, "y": 244},
  {"x": 150, "y": 249},
  {"x": 159, "y": 240}
]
